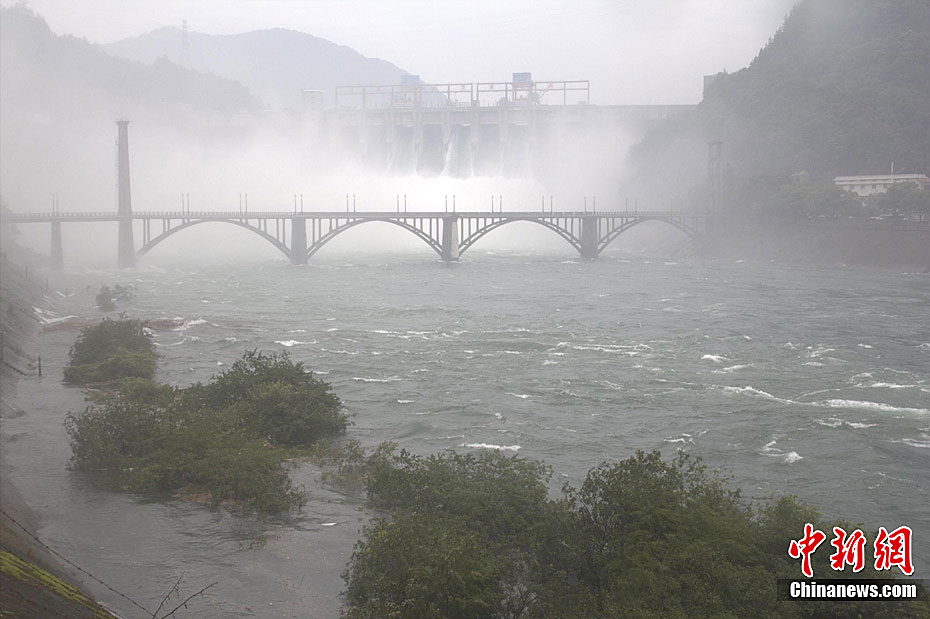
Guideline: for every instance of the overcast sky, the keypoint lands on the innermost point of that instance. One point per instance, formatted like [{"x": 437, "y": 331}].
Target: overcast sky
[{"x": 633, "y": 51}]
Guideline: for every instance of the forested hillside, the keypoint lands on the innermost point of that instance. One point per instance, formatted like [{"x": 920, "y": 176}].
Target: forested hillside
[{"x": 842, "y": 88}]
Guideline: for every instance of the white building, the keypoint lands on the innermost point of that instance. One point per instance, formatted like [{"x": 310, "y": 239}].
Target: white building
[{"x": 871, "y": 184}]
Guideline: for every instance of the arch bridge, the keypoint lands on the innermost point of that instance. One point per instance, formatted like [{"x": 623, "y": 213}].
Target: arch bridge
[{"x": 299, "y": 235}]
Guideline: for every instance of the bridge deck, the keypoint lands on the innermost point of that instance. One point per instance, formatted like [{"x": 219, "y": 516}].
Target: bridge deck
[
  {"x": 244, "y": 215},
  {"x": 299, "y": 235}
]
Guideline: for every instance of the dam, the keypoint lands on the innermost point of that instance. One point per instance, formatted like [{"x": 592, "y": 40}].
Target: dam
[{"x": 517, "y": 128}]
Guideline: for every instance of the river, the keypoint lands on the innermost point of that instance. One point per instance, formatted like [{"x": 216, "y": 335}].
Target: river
[{"x": 807, "y": 381}]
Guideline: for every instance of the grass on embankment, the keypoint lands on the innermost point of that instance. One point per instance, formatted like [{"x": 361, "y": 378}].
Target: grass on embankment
[{"x": 26, "y": 590}]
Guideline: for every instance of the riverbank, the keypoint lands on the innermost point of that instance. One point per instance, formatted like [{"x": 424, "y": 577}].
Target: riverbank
[
  {"x": 33, "y": 581},
  {"x": 872, "y": 244}
]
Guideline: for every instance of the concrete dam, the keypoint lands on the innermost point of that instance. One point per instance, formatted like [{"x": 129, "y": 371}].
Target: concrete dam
[{"x": 518, "y": 128}]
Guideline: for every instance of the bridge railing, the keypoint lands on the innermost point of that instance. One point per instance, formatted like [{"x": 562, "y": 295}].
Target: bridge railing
[{"x": 112, "y": 216}]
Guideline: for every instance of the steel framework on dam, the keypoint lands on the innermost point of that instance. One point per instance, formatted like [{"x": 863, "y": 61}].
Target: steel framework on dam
[{"x": 299, "y": 235}]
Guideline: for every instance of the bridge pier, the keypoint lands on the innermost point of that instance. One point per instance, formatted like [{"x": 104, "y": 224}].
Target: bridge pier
[
  {"x": 299, "y": 240},
  {"x": 589, "y": 237},
  {"x": 55, "y": 251},
  {"x": 126, "y": 252},
  {"x": 450, "y": 238}
]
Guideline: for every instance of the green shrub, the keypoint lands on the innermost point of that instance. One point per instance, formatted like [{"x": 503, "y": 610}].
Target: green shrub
[
  {"x": 293, "y": 414},
  {"x": 350, "y": 464},
  {"x": 643, "y": 537},
  {"x": 116, "y": 436},
  {"x": 107, "y": 297},
  {"x": 274, "y": 397},
  {"x": 443, "y": 572},
  {"x": 464, "y": 541},
  {"x": 109, "y": 351},
  {"x": 502, "y": 495},
  {"x": 200, "y": 442},
  {"x": 120, "y": 364}
]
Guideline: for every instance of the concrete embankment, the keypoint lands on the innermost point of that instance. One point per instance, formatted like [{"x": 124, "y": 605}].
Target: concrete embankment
[
  {"x": 904, "y": 245},
  {"x": 33, "y": 582}
]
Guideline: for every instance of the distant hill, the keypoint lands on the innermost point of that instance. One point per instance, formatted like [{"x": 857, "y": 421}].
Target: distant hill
[
  {"x": 842, "y": 88},
  {"x": 43, "y": 74},
  {"x": 59, "y": 96},
  {"x": 274, "y": 64}
]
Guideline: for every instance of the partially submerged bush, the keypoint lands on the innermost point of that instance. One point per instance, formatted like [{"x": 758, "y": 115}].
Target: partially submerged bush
[
  {"x": 121, "y": 363},
  {"x": 273, "y": 397},
  {"x": 107, "y": 297},
  {"x": 351, "y": 465},
  {"x": 109, "y": 351},
  {"x": 476, "y": 536},
  {"x": 207, "y": 441},
  {"x": 502, "y": 495},
  {"x": 423, "y": 566}
]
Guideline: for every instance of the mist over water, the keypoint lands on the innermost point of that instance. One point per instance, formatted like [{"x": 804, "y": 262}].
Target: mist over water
[
  {"x": 265, "y": 168},
  {"x": 788, "y": 378}
]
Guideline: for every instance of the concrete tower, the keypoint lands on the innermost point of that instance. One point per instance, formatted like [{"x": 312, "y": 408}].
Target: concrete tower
[
  {"x": 715, "y": 175},
  {"x": 126, "y": 256}
]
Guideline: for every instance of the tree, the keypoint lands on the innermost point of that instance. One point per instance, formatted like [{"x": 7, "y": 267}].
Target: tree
[
  {"x": 794, "y": 197},
  {"x": 903, "y": 199},
  {"x": 830, "y": 201}
]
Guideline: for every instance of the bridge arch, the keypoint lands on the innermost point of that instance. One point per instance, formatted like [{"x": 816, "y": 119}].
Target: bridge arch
[
  {"x": 187, "y": 224},
  {"x": 331, "y": 234},
  {"x": 562, "y": 232},
  {"x": 612, "y": 235}
]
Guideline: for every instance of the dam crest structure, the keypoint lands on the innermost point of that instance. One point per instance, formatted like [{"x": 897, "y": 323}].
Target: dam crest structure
[{"x": 470, "y": 129}]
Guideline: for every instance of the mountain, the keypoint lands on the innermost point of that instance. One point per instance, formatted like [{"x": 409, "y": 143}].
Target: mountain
[
  {"x": 59, "y": 96},
  {"x": 274, "y": 64},
  {"x": 842, "y": 88},
  {"x": 47, "y": 75}
]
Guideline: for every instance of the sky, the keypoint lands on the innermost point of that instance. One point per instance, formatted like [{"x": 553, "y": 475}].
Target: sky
[{"x": 632, "y": 51}]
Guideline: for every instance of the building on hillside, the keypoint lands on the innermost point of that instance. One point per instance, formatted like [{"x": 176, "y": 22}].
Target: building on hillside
[{"x": 871, "y": 184}]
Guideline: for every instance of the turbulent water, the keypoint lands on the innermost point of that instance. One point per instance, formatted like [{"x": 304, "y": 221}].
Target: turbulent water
[{"x": 813, "y": 382}]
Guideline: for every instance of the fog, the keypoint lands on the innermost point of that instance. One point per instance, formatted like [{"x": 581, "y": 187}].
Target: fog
[
  {"x": 266, "y": 170},
  {"x": 210, "y": 140},
  {"x": 638, "y": 51},
  {"x": 767, "y": 343}
]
